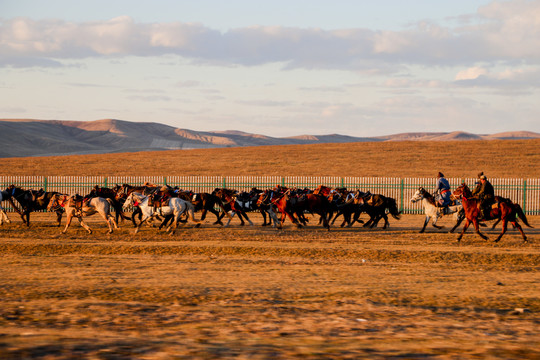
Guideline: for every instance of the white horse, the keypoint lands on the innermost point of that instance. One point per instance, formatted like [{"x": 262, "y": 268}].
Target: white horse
[
  {"x": 95, "y": 205},
  {"x": 176, "y": 208},
  {"x": 435, "y": 212},
  {"x": 4, "y": 195}
]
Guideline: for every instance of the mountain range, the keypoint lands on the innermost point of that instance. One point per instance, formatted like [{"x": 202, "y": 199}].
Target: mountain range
[{"x": 28, "y": 137}]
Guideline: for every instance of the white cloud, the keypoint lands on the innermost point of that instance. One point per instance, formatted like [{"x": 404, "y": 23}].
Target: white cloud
[
  {"x": 471, "y": 73},
  {"x": 504, "y": 31}
]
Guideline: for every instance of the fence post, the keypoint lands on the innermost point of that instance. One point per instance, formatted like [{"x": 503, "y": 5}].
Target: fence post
[
  {"x": 165, "y": 180},
  {"x": 525, "y": 196},
  {"x": 283, "y": 181},
  {"x": 45, "y": 183},
  {"x": 224, "y": 182},
  {"x": 105, "y": 181},
  {"x": 402, "y": 194}
]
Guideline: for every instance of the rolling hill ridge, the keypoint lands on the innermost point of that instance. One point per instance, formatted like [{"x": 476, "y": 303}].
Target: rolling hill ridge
[{"x": 28, "y": 137}]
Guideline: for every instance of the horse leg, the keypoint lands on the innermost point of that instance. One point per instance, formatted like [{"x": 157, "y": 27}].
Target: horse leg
[
  {"x": 426, "y": 221},
  {"x": 138, "y": 226},
  {"x": 477, "y": 229},
  {"x": 386, "y": 222},
  {"x": 495, "y": 224},
  {"x": 111, "y": 221},
  {"x": 219, "y": 215},
  {"x": 106, "y": 218},
  {"x": 229, "y": 221},
  {"x": 504, "y": 228},
  {"x": 27, "y": 214},
  {"x": 4, "y": 216},
  {"x": 458, "y": 222},
  {"x": 467, "y": 223},
  {"x": 434, "y": 223},
  {"x": 59, "y": 214},
  {"x": 516, "y": 225},
  {"x": 274, "y": 218},
  {"x": 174, "y": 223},
  {"x": 68, "y": 222},
  {"x": 83, "y": 224},
  {"x": 247, "y": 218},
  {"x": 263, "y": 213}
]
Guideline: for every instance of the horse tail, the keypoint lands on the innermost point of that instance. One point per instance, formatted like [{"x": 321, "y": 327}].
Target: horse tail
[
  {"x": 111, "y": 203},
  {"x": 392, "y": 207},
  {"x": 521, "y": 215}
]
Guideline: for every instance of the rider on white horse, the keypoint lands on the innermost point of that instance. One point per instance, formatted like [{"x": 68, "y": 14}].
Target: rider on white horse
[{"x": 443, "y": 189}]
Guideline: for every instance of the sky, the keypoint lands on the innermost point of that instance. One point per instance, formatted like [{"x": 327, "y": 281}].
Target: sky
[{"x": 278, "y": 68}]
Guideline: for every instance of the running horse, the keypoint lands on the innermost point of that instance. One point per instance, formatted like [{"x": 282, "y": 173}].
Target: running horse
[
  {"x": 108, "y": 193},
  {"x": 502, "y": 209},
  {"x": 79, "y": 207},
  {"x": 434, "y": 212},
  {"x": 228, "y": 199},
  {"x": 32, "y": 200}
]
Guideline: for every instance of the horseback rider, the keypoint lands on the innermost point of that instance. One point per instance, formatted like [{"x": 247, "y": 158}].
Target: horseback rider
[
  {"x": 485, "y": 193},
  {"x": 443, "y": 189}
]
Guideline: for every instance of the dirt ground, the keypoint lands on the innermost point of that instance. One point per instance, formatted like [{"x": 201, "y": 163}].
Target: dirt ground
[{"x": 259, "y": 293}]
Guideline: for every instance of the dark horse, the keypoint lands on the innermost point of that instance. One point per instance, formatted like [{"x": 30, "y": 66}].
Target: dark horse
[
  {"x": 108, "y": 193},
  {"x": 32, "y": 200},
  {"x": 229, "y": 202},
  {"x": 505, "y": 210},
  {"x": 376, "y": 205},
  {"x": 206, "y": 203}
]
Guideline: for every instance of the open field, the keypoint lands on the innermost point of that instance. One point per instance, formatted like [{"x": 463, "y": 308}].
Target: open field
[
  {"x": 259, "y": 293},
  {"x": 497, "y": 158},
  {"x": 253, "y": 292}
]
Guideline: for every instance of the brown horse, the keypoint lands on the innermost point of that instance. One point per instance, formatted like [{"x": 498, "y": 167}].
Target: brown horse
[
  {"x": 504, "y": 210},
  {"x": 228, "y": 200}
]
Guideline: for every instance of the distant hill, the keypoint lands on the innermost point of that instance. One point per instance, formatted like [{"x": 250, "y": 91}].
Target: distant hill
[{"x": 27, "y": 137}]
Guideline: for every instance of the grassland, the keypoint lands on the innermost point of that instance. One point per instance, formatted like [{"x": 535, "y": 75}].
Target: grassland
[
  {"x": 259, "y": 293},
  {"x": 497, "y": 158}
]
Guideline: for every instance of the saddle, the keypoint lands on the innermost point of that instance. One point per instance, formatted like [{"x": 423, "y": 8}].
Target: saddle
[
  {"x": 78, "y": 202},
  {"x": 159, "y": 200}
]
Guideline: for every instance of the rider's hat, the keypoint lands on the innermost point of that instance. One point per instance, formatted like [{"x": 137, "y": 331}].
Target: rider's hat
[
  {"x": 440, "y": 174},
  {"x": 480, "y": 174},
  {"x": 483, "y": 177}
]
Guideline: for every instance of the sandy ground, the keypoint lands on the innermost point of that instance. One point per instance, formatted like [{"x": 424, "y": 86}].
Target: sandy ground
[{"x": 259, "y": 293}]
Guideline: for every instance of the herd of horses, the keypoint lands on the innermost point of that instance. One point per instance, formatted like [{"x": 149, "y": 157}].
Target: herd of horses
[{"x": 171, "y": 206}]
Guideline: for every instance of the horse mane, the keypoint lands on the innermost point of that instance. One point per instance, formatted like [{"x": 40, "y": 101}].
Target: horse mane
[{"x": 430, "y": 198}]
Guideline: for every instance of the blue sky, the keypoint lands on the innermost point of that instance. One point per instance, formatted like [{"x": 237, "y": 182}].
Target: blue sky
[{"x": 279, "y": 68}]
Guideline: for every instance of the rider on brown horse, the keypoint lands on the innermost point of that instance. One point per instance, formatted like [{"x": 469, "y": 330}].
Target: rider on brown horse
[{"x": 485, "y": 193}]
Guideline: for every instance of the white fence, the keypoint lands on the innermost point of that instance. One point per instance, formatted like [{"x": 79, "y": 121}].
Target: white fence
[{"x": 526, "y": 192}]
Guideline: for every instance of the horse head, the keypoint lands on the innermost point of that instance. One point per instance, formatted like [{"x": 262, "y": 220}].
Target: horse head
[
  {"x": 418, "y": 195},
  {"x": 462, "y": 191}
]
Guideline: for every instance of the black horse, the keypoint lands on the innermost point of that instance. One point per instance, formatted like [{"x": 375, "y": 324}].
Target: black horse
[
  {"x": 32, "y": 200},
  {"x": 376, "y": 206}
]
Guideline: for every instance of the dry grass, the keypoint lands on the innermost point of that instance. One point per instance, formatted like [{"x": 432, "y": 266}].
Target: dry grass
[
  {"x": 255, "y": 292},
  {"x": 497, "y": 158},
  {"x": 258, "y": 293}
]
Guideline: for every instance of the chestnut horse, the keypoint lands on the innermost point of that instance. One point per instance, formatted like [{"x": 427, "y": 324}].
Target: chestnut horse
[{"x": 505, "y": 211}]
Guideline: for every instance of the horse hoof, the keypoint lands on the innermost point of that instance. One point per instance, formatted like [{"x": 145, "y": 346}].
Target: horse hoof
[{"x": 198, "y": 225}]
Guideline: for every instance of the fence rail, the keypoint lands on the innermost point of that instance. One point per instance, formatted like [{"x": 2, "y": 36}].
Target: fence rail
[{"x": 526, "y": 192}]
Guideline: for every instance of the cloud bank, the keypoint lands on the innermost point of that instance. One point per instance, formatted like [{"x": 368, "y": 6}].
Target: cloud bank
[{"x": 500, "y": 32}]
